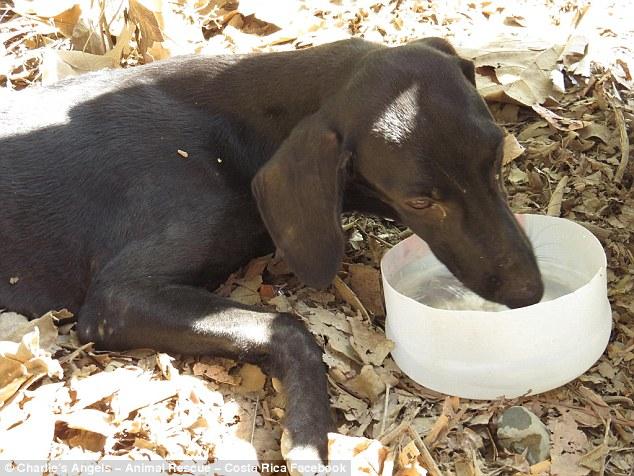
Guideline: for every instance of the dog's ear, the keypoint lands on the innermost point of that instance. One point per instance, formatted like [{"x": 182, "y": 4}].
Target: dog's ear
[
  {"x": 438, "y": 44},
  {"x": 467, "y": 66},
  {"x": 468, "y": 69},
  {"x": 299, "y": 192}
]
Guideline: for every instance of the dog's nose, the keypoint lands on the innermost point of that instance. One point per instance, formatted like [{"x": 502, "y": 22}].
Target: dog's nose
[
  {"x": 524, "y": 294},
  {"x": 514, "y": 289},
  {"x": 493, "y": 283}
]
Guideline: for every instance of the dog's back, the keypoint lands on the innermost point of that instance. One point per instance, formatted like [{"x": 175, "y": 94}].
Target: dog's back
[{"x": 91, "y": 164}]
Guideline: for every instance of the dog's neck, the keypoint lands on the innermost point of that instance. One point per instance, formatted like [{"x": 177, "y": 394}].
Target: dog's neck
[
  {"x": 269, "y": 93},
  {"x": 263, "y": 96}
]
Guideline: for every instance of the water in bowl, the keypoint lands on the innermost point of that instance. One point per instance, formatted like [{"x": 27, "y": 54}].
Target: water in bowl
[{"x": 439, "y": 289}]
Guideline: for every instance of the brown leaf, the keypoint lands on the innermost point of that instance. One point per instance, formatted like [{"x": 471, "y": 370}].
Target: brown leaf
[
  {"x": 557, "y": 121},
  {"x": 25, "y": 362},
  {"x": 512, "y": 71},
  {"x": 352, "y": 407},
  {"x": 215, "y": 372},
  {"x": 370, "y": 345},
  {"x": 595, "y": 458},
  {"x": 512, "y": 149},
  {"x": 554, "y": 204},
  {"x": 465, "y": 467},
  {"x": 567, "y": 445},
  {"x": 449, "y": 407},
  {"x": 13, "y": 374},
  {"x": 60, "y": 64},
  {"x": 140, "y": 393},
  {"x": 600, "y": 131},
  {"x": 253, "y": 379},
  {"x": 349, "y": 296},
  {"x": 542, "y": 467},
  {"x": 440, "y": 426},
  {"x": 256, "y": 267},
  {"x": 408, "y": 454},
  {"x": 365, "y": 281},
  {"x": 367, "y": 384},
  {"x": 67, "y": 20},
  {"x": 96, "y": 387},
  {"x": 366, "y": 456},
  {"x": 147, "y": 23},
  {"x": 87, "y": 440},
  {"x": 14, "y": 327},
  {"x": 597, "y": 402},
  {"x": 90, "y": 420}
]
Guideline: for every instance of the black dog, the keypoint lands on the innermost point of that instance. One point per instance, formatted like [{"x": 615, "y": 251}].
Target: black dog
[{"x": 99, "y": 212}]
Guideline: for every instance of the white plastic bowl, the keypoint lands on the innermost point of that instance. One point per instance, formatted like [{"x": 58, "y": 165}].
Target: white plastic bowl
[{"x": 509, "y": 353}]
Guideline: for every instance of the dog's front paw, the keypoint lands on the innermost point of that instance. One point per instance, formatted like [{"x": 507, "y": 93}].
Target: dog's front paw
[{"x": 303, "y": 460}]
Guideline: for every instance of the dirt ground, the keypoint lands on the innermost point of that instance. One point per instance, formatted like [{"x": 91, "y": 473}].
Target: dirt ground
[{"x": 558, "y": 78}]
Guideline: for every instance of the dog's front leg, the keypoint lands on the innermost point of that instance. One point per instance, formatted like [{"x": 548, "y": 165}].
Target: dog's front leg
[{"x": 189, "y": 320}]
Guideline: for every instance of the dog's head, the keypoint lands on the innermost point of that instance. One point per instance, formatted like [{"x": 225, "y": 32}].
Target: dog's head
[{"x": 408, "y": 137}]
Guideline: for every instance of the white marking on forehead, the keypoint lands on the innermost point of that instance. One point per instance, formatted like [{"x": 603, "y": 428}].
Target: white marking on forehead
[{"x": 398, "y": 121}]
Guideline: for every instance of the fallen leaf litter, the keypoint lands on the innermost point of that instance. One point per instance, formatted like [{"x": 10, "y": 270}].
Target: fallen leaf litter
[{"x": 558, "y": 77}]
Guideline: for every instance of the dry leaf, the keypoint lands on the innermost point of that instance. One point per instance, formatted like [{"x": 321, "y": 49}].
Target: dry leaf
[
  {"x": 595, "y": 459},
  {"x": 215, "y": 372},
  {"x": 366, "y": 456},
  {"x": 165, "y": 364},
  {"x": 282, "y": 12},
  {"x": 247, "y": 291},
  {"x": 512, "y": 149},
  {"x": 150, "y": 31},
  {"x": 25, "y": 362},
  {"x": 32, "y": 438},
  {"x": 368, "y": 384},
  {"x": 43, "y": 8},
  {"x": 332, "y": 327},
  {"x": 557, "y": 121},
  {"x": 600, "y": 131},
  {"x": 13, "y": 327},
  {"x": 554, "y": 205},
  {"x": 245, "y": 295},
  {"x": 440, "y": 426},
  {"x": 541, "y": 468},
  {"x": 98, "y": 386},
  {"x": 84, "y": 28},
  {"x": 281, "y": 303},
  {"x": 370, "y": 345},
  {"x": 514, "y": 69},
  {"x": 509, "y": 71},
  {"x": 257, "y": 266},
  {"x": 598, "y": 403},
  {"x": 60, "y": 64},
  {"x": 349, "y": 296},
  {"x": 253, "y": 379},
  {"x": 567, "y": 446},
  {"x": 408, "y": 454},
  {"x": 352, "y": 407},
  {"x": 465, "y": 467},
  {"x": 365, "y": 281},
  {"x": 517, "y": 176},
  {"x": 139, "y": 393},
  {"x": 87, "y": 440},
  {"x": 90, "y": 420}
]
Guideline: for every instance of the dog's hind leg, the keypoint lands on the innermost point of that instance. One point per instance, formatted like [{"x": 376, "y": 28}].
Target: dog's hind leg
[{"x": 189, "y": 320}]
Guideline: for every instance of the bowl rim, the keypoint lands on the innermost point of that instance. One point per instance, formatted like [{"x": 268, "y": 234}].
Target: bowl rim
[{"x": 521, "y": 218}]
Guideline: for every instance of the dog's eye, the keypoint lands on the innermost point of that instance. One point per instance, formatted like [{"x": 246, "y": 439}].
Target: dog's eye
[{"x": 420, "y": 203}]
